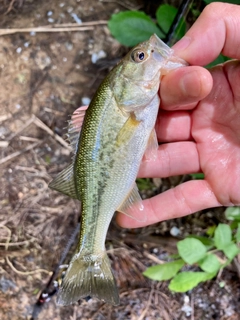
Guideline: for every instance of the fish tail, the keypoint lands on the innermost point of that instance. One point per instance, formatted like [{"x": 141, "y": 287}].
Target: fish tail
[{"x": 88, "y": 275}]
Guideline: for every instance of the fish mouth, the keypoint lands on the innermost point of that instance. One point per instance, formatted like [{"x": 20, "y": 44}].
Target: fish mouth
[{"x": 161, "y": 52}]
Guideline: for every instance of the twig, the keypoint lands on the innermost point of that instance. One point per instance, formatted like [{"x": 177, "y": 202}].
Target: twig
[
  {"x": 84, "y": 24},
  {"x": 128, "y": 6},
  {"x": 4, "y": 144},
  {"x": 10, "y": 263},
  {"x": 153, "y": 258},
  {"x": 9, "y": 236},
  {"x": 4, "y": 32},
  {"x": 13, "y": 244},
  {"x": 76, "y": 27},
  {"x": 147, "y": 306},
  {"x": 26, "y": 273},
  {"x": 18, "y": 153},
  {"x": 26, "y": 124},
  {"x": 25, "y": 138},
  {"x": 63, "y": 27},
  {"x": 43, "y": 126},
  {"x": 10, "y": 7},
  {"x": 192, "y": 306},
  {"x": 5, "y": 117},
  {"x": 15, "y": 253}
]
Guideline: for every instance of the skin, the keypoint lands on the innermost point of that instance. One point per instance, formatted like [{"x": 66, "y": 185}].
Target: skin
[{"x": 199, "y": 122}]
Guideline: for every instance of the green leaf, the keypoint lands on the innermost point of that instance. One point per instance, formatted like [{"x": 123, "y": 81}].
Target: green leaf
[
  {"x": 197, "y": 176},
  {"x": 226, "y": 1},
  {"x": 164, "y": 271},
  {"x": 208, "y": 243},
  {"x": 187, "y": 280},
  {"x": 233, "y": 213},
  {"x": 132, "y": 27},
  {"x": 234, "y": 224},
  {"x": 220, "y": 59},
  {"x": 191, "y": 250},
  {"x": 210, "y": 264},
  {"x": 222, "y": 236},
  {"x": 165, "y": 15},
  {"x": 238, "y": 233},
  {"x": 210, "y": 231},
  {"x": 231, "y": 250},
  {"x": 144, "y": 184}
]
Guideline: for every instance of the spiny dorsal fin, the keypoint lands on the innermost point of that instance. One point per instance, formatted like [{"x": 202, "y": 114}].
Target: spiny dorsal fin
[
  {"x": 133, "y": 205},
  {"x": 75, "y": 126},
  {"x": 64, "y": 182}
]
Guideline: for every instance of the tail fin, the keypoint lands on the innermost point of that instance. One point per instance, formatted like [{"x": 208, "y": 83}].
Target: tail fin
[{"x": 88, "y": 275}]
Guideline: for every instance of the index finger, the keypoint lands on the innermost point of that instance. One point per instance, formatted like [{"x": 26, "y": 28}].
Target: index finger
[{"x": 215, "y": 31}]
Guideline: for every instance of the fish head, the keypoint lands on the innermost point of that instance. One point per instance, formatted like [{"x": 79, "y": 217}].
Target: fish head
[
  {"x": 138, "y": 75},
  {"x": 150, "y": 58}
]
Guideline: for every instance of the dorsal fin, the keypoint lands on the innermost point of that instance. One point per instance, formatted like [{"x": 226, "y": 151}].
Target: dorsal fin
[
  {"x": 133, "y": 205},
  {"x": 75, "y": 126}
]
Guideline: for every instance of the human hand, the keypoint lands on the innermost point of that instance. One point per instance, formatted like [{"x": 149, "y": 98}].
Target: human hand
[{"x": 199, "y": 122}]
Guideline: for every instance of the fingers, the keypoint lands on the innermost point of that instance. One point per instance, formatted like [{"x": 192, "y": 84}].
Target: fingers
[
  {"x": 182, "y": 200},
  {"x": 173, "y": 126},
  {"x": 172, "y": 159},
  {"x": 232, "y": 71},
  {"x": 184, "y": 87},
  {"x": 215, "y": 31}
]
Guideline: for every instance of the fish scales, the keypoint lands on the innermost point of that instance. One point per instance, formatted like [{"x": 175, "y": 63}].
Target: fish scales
[{"x": 117, "y": 130}]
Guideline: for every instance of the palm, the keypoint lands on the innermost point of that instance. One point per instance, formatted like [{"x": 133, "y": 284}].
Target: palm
[
  {"x": 216, "y": 131},
  {"x": 203, "y": 137},
  {"x": 199, "y": 121}
]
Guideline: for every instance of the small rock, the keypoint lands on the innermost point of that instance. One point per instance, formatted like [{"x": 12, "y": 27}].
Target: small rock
[
  {"x": 175, "y": 231},
  {"x": 86, "y": 101},
  {"x": 6, "y": 284},
  {"x": 98, "y": 55},
  {"x": 51, "y": 20},
  {"x": 76, "y": 18}
]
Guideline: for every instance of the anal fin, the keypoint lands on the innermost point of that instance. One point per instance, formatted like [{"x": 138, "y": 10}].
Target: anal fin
[
  {"x": 133, "y": 205},
  {"x": 152, "y": 147}
]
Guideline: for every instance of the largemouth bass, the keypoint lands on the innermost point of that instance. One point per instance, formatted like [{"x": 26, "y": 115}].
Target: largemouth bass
[{"x": 109, "y": 139}]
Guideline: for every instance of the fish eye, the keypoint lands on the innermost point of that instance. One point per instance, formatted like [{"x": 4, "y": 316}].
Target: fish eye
[{"x": 138, "y": 55}]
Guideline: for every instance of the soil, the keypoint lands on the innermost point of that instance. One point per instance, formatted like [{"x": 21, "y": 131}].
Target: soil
[{"x": 44, "y": 77}]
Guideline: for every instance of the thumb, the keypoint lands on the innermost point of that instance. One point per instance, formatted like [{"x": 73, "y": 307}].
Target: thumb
[{"x": 215, "y": 31}]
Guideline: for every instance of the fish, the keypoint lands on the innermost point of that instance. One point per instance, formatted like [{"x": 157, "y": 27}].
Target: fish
[{"x": 109, "y": 139}]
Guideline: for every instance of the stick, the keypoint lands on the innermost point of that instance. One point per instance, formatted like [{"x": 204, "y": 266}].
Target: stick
[
  {"x": 73, "y": 27},
  {"x": 43, "y": 126},
  {"x": 18, "y": 153}
]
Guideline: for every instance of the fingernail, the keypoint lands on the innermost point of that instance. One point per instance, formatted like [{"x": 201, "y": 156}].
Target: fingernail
[{"x": 182, "y": 44}]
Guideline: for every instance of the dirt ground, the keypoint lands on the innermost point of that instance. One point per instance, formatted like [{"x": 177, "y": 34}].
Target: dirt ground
[{"x": 44, "y": 77}]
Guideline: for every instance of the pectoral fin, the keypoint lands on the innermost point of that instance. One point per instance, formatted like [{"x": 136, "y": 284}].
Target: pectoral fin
[
  {"x": 64, "y": 182},
  {"x": 127, "y": 130},
  {"x": 133, "y": 205},
  {"x": 152, "y": 147}
]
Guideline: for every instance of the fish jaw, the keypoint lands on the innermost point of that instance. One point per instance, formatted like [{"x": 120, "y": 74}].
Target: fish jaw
[{"x": 165, "y": 55}]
